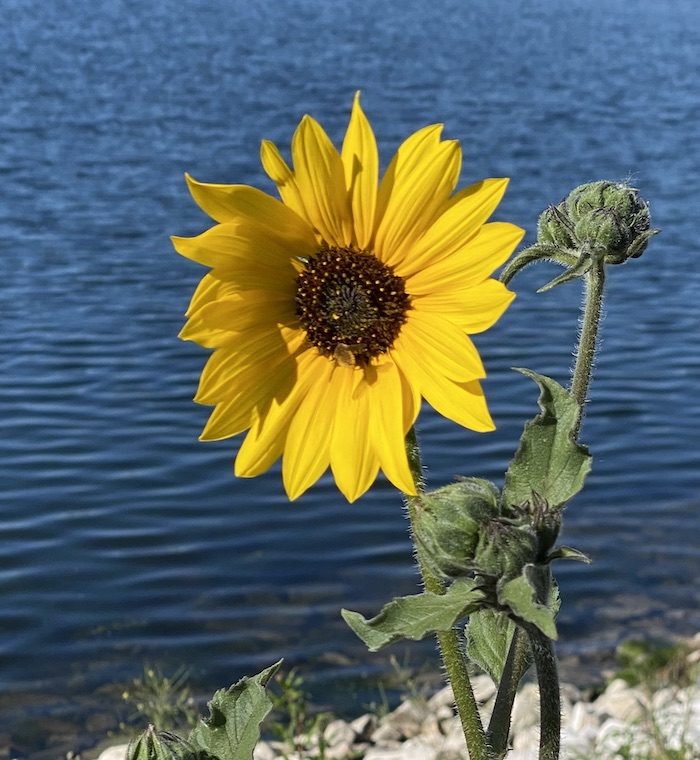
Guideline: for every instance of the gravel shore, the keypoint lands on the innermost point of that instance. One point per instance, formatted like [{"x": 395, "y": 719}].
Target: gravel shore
[{"x": 621, "y": 722}]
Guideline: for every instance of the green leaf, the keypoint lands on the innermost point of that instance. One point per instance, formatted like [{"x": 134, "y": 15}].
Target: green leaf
[
  {"x": 521, "y": 594},
  {"x": 548, "y": 462},
  {"x": 489, "y": 634},
  {"x": 233, "y": 727},
  {"x": 568, "y": 552},
  {"x": 413, "y": 617}
]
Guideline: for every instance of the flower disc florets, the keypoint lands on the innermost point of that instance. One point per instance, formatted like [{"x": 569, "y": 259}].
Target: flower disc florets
[{"x": 350, "y": 304}]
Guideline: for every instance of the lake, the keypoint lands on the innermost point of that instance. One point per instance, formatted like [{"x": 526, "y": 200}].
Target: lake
[{"x": 124, "y": 540}]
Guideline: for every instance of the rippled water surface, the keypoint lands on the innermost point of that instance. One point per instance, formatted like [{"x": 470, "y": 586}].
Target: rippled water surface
[{"x": 123, "y": 539}]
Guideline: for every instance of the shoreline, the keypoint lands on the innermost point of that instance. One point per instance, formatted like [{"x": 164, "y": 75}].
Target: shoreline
[{"x": 620, "y": 718}]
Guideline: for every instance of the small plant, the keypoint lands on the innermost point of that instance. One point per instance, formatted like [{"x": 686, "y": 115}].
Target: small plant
[
  {"x": 163, "y": 701},
  {"x": 646, "y": 664},
  {"x": 295, "y": 724}
]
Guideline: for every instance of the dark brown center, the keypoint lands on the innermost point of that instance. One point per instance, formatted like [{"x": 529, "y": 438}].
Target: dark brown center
[{"x": 350, "y": 304}]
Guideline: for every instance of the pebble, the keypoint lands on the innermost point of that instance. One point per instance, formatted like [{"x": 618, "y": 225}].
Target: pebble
[{"x": 613, "y": 725}]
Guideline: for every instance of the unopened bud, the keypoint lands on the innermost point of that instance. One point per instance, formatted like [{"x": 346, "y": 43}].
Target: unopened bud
[{"x": 448, "y": 526}]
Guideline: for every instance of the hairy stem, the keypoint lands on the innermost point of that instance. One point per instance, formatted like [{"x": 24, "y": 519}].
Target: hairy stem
[
  {"x": 550, "y": 704},
  {"x": 513, "y": 671},
  {"x": 450, "y": 647},
  {"x": 585, "y": 354}
]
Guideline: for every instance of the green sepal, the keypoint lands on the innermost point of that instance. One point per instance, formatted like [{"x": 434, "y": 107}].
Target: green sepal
[
  {"x": 520, "y": 595},
  {"x": 489, "y": 634},
  {"x": 161, "y": 745},
  {"x": 537, "y": 252},
  {"x": 568, "y": 552},
  {"x": 233, "y": 727},
  {"x": 414, "y": 617},
  {"x": 548, "y": 462},
  {"x": 579, "y": 269}
]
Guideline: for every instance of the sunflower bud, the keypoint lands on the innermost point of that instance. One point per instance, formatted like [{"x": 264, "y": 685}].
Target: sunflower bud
[
  {"x": 610, "y": 218},
  {"x": 448, "y": 526},
  {"x": 598, "y": 223},
  {"x": 554, "y": 227},
  {"x": 504, "y": 549}
]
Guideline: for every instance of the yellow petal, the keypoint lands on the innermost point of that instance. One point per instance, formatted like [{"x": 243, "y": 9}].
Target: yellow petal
[
  {"x": 485, "y": 252},
  {"x": 455, "y": 226},
  {"x": 256, "y": 396},
  {"x": 196, "y": 330},
  {"x": 307, "y": 448},
  {"x": 384, "y": 393},
  {"x": 441, "y": 345},
  {"x": 254, "y": 309},
  {"x": 230, "y": 203},
  {"x": 265, "y": 442},
  {"x": 464, "y": 403},
  {"x": 320, "y": 177},
  {"x": 230, "y": 370},
  {"x": 361, "y": 163},
  {"x": 353, "y": 461},
  {"x": 241, "y": 239},
  {"x": 280, "y": 173},
  {"x": 229, "y": 418},
  {"x": 415, "y": 189},
  {"x": 472, "y": 309},
  {"x": 209, "y": 289}
]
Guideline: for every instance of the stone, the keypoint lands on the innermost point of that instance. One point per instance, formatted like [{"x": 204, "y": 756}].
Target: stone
[
  {"x": 263, "y": 751},
  {"x": 419, "y": 748},
  {"x": 338, "y": 732},
  {"x": 526, "y": 709},
  {"x": 364, "y": 726},
  {"x": 527, "y": 740},
  {"x": 442, "y": 698},
  {"x": 118, "y": 752},
  {"x": 384, "y": 753},
  {"x": 408, "y": 717},
  {"x": 385, "y": 733},
  {"x": 484, "y": 688},
  {"x": 619, "y": 701}
]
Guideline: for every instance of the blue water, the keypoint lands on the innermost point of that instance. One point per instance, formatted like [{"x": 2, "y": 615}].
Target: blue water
[{"x": 122, "y": 538}]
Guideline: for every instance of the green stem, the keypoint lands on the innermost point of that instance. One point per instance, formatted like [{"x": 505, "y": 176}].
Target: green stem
[
  {"x": 514, "y": 669},
  {"x": 450, "y": 649},
  {"x": 550, "y": 704},
  {"x": 585, "y": 355}
]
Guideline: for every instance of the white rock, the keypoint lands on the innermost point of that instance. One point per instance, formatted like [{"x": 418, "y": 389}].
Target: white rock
[
  {"x": 408, "y": 717},
  {"x": 419, "y": 748},
  {"x": 527, "y": 740},
  {"x": 263, "y": 751},
  {"x": 385, "y": 733},
  {"x": 364, "y": 725},
  {"x": 441, "y": 698},
  {"x": 582, "y": 719},
  {"x": 526, "y": 709},
  {"x": 117, "y": 752},
  {"x": 383, "y": 753},
  {"x": 484, "y": 687},
  {"x": 338, "y": 732},
  {"x": 453, "y": 742}
]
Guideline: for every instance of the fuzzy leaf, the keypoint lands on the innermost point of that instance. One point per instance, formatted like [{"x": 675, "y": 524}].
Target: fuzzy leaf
[
  {"x": 413, "y": 617},
  {"x": 233, "y": 727},
  {"x": 548, "y": 462},
  {"x": 521, "y": 594},
  {"x": 489, "y": 634}
]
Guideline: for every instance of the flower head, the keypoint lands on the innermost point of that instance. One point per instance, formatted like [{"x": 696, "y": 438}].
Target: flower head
[{"x": 333, "y": 311}]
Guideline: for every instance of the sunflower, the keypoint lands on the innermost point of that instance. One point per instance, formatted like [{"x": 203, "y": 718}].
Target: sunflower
[{"x": 333, "y": 311}]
